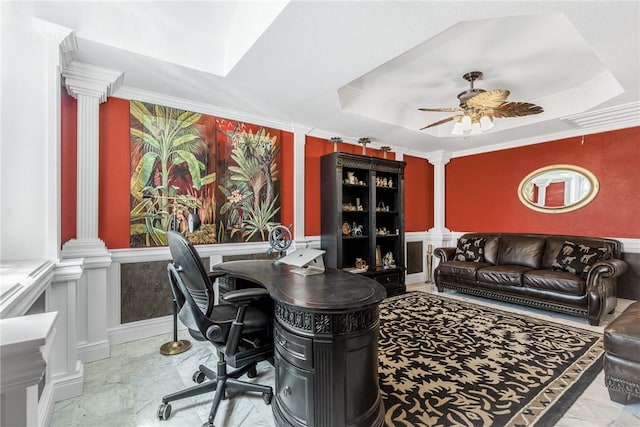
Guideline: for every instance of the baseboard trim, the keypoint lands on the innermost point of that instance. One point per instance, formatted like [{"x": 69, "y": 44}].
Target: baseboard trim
[
  {"x": 57, "y": 389},
  {"x": 90, "y": 352},
  {"x": 70, "y": 385},
  {"x": 142, "y": 329}
]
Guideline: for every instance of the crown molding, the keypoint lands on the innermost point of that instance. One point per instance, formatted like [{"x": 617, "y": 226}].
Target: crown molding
[
  {"x": 64, "y": 37},
  {"x": 549, "y": 137},
  {"x": 135, "y": 94},
  {"x": 626, "y": 115},
  {"x": 439, "y": 157}
]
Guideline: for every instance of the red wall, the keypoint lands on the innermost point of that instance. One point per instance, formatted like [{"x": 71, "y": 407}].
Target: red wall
[
  {"x": 114, "y": 175},
  {"x": 481, "y": 190},
  {"x": 68, "y": 159},
  {"x": 314, "y": 149},
  {"x": 418, "y": 194}
]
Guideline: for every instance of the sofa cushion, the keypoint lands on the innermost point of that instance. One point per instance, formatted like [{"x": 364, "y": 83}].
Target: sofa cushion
[
  {"x": 463, "y": 269},
  {"x": 491, "y": 249},
  {"x": 521, "y": 250},
  {"x": 470, "y": 249},
  {"x": 578, "y": 258},
  {"x": 556, "y": 281},
  {"x": 509, "y": 275}
]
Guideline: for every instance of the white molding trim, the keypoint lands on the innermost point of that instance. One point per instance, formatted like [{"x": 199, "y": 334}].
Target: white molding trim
[
  {"x": 63, "y": 37},
  {"x": 630, "y": 246},
  {"x": 142, "y": 329},
  {"x": 539, "y": 139},
  {"x": 57, "y": 389},
  {"x": 96, "y": 350},
  {"x": 81, "y": 78},
  {"x": 29, "y": 285},
  {"x": 626, "y": 115},
  {"x": 131, "y": 93},
  {"x": 130, "y": 255}
]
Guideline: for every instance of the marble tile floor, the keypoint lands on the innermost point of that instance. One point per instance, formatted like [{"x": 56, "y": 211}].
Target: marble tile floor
[{"x": 126, "y": 389}]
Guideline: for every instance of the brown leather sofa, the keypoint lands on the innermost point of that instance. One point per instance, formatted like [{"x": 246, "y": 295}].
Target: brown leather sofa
[
  {"x": 622, "y": 355},
  {"x": 568, "y": 274}
]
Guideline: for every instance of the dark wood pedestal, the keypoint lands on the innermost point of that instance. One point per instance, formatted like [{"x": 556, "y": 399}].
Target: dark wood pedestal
[
  {"x": 326, "y": 345},
  {"x": 327, "y": 368}
]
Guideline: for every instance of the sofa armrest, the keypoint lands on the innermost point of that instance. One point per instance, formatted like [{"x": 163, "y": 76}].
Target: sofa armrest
[
  {"x": 601, "y": 288},
  {"x": 607, "y": 269},
  {"x": 445, "y": 254}
]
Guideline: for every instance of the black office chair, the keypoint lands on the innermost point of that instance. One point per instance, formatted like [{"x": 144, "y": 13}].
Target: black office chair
[{"x": 241, "y": 333}]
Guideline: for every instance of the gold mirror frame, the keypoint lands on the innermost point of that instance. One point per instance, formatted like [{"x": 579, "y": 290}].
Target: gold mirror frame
[{"x": 588, "y": 175}]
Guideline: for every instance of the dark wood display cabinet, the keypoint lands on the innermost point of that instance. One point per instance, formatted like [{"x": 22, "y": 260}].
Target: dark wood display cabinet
[{"x": 362, "y": 202}]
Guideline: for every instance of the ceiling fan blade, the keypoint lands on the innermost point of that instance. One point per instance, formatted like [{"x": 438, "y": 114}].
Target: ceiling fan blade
[
  {"x": 517, "y": 109},
  {"x": 439, "y": 122},
  {"x": 443, "y": 110},
  {"x": 488, "y": 99}
]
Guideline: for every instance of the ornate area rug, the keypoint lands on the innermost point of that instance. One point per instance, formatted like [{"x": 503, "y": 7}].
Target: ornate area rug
[{"x": 446, "y": 362}]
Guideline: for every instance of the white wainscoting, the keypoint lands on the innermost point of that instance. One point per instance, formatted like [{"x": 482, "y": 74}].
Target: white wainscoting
[{"x": 118, "y": 332}]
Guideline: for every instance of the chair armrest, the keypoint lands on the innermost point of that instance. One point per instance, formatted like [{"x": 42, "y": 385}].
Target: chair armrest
[
  {"x": 213, "y": 275},
  {"x": 245, "y": 296},
  {"x": 445, "y": 254}
]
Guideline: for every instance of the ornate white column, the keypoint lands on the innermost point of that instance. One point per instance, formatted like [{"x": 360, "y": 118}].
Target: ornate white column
[
  {"x": 90, "y": 85},
  {"x": 299, "y": 141},
  {"x": 438, "y": 159}
]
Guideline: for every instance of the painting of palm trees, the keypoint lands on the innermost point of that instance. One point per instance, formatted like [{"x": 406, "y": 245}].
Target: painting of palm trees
[
  {"x": 214, "y": 180},
  {"x": 249, "y": 184}
]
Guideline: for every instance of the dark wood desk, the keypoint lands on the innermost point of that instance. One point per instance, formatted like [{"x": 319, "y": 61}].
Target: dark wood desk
[{"x": 326, "y": 344}]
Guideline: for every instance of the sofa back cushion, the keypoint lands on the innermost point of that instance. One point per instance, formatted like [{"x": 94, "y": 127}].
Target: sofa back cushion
[
  {"x": 578, "y": 259},
  {"x": 555, "y": 243},
  {"x": 470, "y": 249},
  {"x": 521, "y": 249}
]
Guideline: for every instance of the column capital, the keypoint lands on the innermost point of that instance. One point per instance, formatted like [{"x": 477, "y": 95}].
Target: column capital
[
  {"x": 86, "y": 79},
  {"x": 439, "y": 157}
]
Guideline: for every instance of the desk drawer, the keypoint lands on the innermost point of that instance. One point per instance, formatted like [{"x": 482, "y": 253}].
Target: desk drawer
[
  {"x": 294, "y": 392},
  {"x": 297, "y": 350}
]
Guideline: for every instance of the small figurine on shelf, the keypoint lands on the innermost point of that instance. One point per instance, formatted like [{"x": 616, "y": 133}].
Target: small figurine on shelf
[
  {"x": 346, "y": 228},
  {"x": 390, "y": 183},
  {"x": 388, "y": 261}
]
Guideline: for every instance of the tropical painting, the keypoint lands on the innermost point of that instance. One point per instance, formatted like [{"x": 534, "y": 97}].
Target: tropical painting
[{"x": 212, "y": 179}]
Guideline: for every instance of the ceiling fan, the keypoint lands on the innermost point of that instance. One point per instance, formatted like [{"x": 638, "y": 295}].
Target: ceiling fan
[{"x": 479, "y": 107}]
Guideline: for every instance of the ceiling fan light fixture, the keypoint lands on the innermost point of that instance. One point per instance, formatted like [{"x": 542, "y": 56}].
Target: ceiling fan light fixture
[
  {"x": 457, "y": 129},
  {"x": 485, "y": 123},
  {"x": 475, "y": 129},
  {"x": 466, "y": 123}
]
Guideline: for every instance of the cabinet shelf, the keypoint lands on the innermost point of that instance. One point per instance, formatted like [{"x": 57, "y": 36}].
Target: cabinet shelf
[
  {"x": 355, "y": 237},
  {"x": 342, "y": 250}
]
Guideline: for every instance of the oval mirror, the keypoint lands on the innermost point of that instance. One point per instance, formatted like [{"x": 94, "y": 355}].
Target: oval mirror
[{"x": 558, "y": 188}]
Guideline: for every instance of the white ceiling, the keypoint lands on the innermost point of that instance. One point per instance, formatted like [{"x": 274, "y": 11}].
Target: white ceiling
[{"x": 354, "y": 69}]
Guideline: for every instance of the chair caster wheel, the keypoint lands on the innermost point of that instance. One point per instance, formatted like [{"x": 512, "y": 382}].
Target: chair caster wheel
[
  {"x": 198, "y": 377},
  {"x": 252, "y": 373},
  {"x": 266, "y": 397},
  {"x": 164, "y": 411}
]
